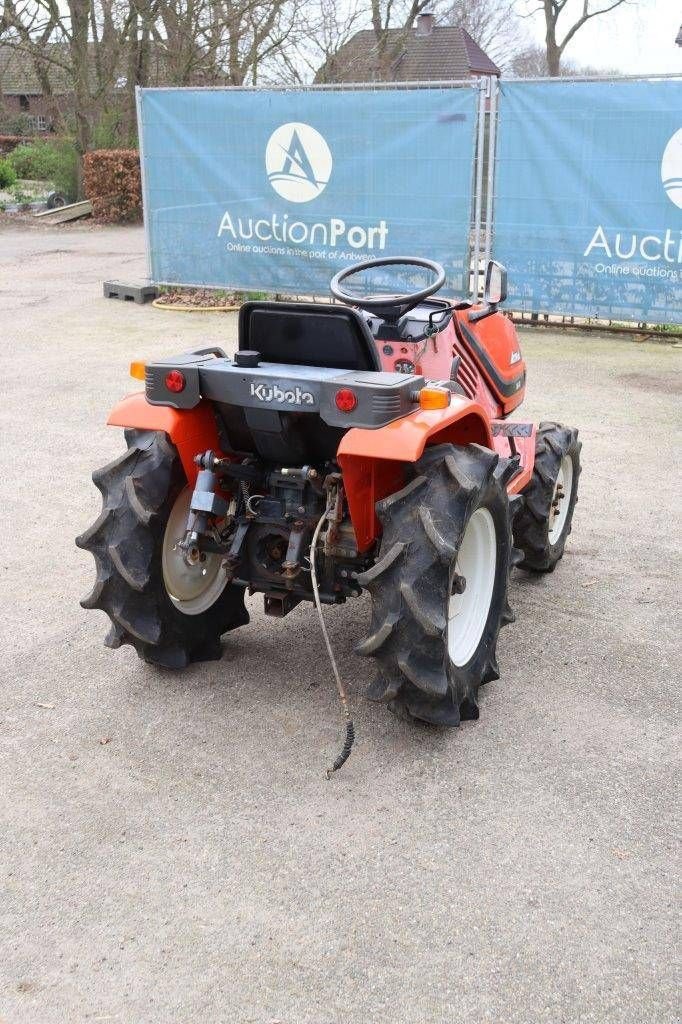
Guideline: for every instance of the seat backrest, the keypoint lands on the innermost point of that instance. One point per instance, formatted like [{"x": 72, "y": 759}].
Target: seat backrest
[{"x": 308, "y": 334}]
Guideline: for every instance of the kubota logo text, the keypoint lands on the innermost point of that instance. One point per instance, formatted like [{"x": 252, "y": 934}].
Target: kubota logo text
[
  {"x": 289, "y": 396},
  {"x": 298, "y": 162}
]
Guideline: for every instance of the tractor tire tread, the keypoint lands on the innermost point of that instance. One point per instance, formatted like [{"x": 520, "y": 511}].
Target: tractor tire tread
[
  {"x": 138, "y": 491},
  {"x": 531, "y": 524},
  {"x": 409, "y": 585}
]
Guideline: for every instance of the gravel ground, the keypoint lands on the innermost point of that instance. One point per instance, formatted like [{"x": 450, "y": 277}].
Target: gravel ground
[{"x": 171, "y": 852}]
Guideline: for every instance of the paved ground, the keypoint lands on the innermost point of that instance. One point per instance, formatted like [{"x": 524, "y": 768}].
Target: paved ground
[{"x": 171, "y": 853}]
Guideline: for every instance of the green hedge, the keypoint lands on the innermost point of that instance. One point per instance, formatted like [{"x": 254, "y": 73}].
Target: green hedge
[
  {"x": 54, "y": 160},
  {"x": 7, "y": 174}
]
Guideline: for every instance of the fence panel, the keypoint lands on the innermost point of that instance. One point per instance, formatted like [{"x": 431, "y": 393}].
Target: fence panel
[
  {"x": 275, "y": 191},
  {"x": 588, "y": 210}
]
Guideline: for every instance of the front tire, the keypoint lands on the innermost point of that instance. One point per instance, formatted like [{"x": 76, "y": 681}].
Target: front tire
[
  {"x": 439, "y": 587},
  {"x": 143, "y": 494},
  {"x": 544, "y": 523}
]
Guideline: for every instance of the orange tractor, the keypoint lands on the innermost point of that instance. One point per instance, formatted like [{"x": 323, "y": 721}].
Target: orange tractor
[{"x": 364, "y": 445}]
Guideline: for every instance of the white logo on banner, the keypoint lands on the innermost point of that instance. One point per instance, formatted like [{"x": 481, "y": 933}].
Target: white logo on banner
[
  {"x": 298, "y": 161},
  {"x": 671, "y": 169}
]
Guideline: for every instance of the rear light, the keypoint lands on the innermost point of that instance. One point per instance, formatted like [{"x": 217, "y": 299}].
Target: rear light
[
  {"x": 137, "y": 370},
  {"x": 175, "y": 381},
  {"x": 434, "y": 398},
  {"x": 345, "y": 399}
]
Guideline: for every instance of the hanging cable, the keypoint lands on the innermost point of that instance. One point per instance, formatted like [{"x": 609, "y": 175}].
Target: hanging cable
[{"x": 343, "y": 696}]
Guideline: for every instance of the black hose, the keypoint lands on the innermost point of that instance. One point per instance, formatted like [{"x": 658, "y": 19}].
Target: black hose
[{"x": 345, "y": 753}]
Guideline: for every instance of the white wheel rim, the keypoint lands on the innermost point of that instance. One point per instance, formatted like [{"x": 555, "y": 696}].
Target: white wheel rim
[
  {"x": 561, "y": 499},
  {"x": 193, "y": 589},
  {"x": 468, "y": 611}
]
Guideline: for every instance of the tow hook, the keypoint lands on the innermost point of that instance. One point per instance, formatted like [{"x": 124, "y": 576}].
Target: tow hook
[{"x": 291, "y": 566}]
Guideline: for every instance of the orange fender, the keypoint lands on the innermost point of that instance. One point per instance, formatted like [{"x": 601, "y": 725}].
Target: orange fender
[
  {"x": 190, "y": 430},
  {"x": 373, "y": 460}
]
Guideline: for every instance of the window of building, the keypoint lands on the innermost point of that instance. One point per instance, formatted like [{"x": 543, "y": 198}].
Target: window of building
[{"x": 24, "y": 103}]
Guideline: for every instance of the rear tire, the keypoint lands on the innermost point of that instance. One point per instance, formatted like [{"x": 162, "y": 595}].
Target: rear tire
[
  {"x": 434, "y": 644},
  {"x": 542, "y": 527},
  {"x": 139, "y": 493}
]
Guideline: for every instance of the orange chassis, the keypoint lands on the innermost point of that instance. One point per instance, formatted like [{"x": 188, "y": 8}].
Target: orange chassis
[{"x": 373, "y": 461}]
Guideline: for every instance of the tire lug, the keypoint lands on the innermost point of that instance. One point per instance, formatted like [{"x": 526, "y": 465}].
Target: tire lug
[{"x": 459, "y": 584}]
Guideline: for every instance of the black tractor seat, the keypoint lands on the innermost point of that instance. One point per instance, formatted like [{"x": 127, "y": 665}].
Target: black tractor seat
[{"x": 308, "y": 334}]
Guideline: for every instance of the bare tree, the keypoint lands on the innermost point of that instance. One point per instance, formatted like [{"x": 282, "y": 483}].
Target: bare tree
[
  {"x": 322, "y": 28},
  {"x": 27, "y": 28},
  {"x": 391, "y": 23},
  {"x": 493, "y": 24},
  {"x": 216, "y": 41},
  {"x": 552, "y": 11},
  {"x": 248, "y": 34},
  {"x": 531, "y": 62},
  {"x": 75, "y": 43},
  {"x": 171, "y": 31},
  {"x": 335, "y": 27},
  {"x": 95, "y": 52}
]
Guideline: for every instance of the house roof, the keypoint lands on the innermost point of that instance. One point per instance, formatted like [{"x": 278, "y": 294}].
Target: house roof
[
  {"x": 446, "y": 53},
  {"x": 18, "y": 76}
]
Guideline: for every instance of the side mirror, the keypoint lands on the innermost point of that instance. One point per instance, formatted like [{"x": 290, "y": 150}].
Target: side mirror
[
  {"x": 495, "y": 291},
  {"x": 495, "y": 283}
]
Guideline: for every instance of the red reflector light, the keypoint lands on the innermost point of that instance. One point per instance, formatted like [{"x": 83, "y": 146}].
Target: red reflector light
[
  {"x": 175, "y": 381},
  {"x": 345, "y": 399}
]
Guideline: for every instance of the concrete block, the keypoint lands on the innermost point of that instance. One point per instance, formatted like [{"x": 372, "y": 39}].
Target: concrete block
[{"x": 130, "y": 292}]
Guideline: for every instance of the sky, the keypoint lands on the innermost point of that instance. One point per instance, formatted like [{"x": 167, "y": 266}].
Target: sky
[{"x": 637, "y": 38}]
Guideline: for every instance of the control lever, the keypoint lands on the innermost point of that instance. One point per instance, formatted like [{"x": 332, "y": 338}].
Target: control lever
[{"x": 212, "y": 350}]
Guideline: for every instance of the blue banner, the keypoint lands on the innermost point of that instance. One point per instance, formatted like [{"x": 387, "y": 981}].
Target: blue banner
[
  {"x": 588, "y": 209},
  {"x": 275, "y": 191}
]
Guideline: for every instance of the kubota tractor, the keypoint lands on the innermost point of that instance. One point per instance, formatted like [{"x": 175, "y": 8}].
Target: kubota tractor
[{"x": 345, "y": 447}]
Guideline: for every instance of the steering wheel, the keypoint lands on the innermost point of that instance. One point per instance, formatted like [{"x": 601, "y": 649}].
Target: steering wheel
[{"x": 390, "y": 307}]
